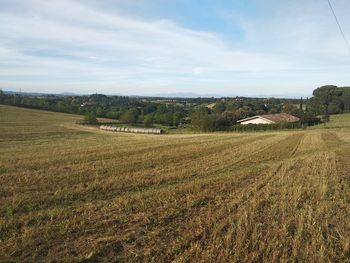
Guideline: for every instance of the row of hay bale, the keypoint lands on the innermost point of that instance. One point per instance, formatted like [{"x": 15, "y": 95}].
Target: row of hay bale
[{"x": 134, "y": 130}]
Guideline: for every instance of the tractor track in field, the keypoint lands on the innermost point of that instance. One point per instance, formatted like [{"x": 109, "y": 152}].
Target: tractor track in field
[
  {"x": 73, "y": 200},
  {"x": 242, "y": 197},
  {"x": 239, "y": 186}
]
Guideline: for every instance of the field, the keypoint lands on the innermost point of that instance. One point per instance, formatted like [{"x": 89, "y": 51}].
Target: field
[
  {"x": 336, "y": 121},
  {"x": 75, "y": 193}
]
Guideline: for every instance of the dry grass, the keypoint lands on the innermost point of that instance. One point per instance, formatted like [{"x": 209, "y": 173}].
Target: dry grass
[{"x": 72, "y": 193}]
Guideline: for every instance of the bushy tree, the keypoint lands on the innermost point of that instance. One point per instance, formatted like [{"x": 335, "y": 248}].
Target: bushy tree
[
  {"x": 176, "y": 119},
  {"x": 289, "y": 108},
  {"x": 201, "y": 120},
  {"x": 346, "y": 98},
  {"x": 90, "y": 118},
  {"x": 150, "y": 108},
  {"x": 335, "y": 108},
  {"x": 327, "y": 94},
  {"x": 130, "y": 116},
  {"x": 100, "y": 111},
  {"x": 219, "y": 107},
  {"x": 314, "y": 106},
  {"x": 148, "y": 120},
  {"x": 113, "y": 115},
  {"x": 244, "y": 112},
  {"x": 309, "y": 120}
]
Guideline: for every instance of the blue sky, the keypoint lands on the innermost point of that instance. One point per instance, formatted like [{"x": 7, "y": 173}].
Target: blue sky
[{"x": 145, "y": 47}]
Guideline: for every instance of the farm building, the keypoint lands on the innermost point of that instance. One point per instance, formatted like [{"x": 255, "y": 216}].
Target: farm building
[{"x": 269, "y": 119}]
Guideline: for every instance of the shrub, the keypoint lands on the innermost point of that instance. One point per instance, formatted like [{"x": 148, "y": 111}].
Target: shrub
[{"x": 309, "y": 120}]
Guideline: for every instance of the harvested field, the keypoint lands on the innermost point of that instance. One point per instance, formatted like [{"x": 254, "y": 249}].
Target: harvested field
[{"x": 75, "y": 193}]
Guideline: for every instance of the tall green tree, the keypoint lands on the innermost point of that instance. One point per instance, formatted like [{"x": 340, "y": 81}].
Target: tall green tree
[
  {"x": 90, "y": 118},
  {"x": 201, "y": 120},
  {"x": 326, "y": 95},
  {"x": 346, "y": 98},
  {"x": 148, "y": 120},
  {"x": 130, "y": 116}
]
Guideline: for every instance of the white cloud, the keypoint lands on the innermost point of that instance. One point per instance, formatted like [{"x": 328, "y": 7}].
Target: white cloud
[{"x": 56, "y": 44}]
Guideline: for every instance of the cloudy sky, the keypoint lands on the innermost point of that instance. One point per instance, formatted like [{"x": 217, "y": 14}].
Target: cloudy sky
[{"x": 142, "y": 47}]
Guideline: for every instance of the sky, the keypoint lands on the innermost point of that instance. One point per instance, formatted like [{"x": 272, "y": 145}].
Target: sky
[{"x": 150, "y": 47}]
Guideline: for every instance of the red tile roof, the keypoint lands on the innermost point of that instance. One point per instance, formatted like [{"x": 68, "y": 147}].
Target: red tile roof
[{"x": 280, "y": 117}]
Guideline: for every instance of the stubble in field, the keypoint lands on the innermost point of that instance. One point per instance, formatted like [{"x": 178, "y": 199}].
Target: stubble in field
[{"x": 73, "y": 193}]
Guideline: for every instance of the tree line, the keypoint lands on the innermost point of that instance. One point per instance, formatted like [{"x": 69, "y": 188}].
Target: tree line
[{"x": 206, "y": 114}]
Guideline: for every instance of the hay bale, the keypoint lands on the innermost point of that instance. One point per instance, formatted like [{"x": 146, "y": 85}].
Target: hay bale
[{"x": 132, "y": 129}]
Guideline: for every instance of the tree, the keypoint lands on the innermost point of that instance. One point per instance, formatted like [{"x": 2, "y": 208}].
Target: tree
[
  {"x": 2, "y": 95},
  {"x": 130, "y": 116},
  {"x": 148, "y": 120},
  {"x": 161, "y": 108},
  {"x": 90, "y": 118},
  {"x": 334, "y": 108},
  {"x": 176, "y": 119},
  {"x": 308, "y": 119},
  {"x": 244, "y": 112},
  {"x": 260, "y": 112},
  {"x": 149, "y": 108},
  {"x": 233, "y": 105},
  {"x": 297, "y": 112},
  {"x": 219, "y": 107},
  {"x": 219, "y": 121},
  {"x": 113, "y": 115},
  {"x": 289, "y": 108},
  {"x": 200, "y": 119},
  {"x": 100, "y": 111},
  {"x": 314, "y": 106},
  {"x": 327, "y": 94},
  {"x": 346, "y": 98}
]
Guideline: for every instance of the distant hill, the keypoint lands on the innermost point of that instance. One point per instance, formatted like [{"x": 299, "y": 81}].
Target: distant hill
[
  {"x": 186, "y": 95},
  {"x": 40, "y": 93},
  {"x": 170, "y": 95}
]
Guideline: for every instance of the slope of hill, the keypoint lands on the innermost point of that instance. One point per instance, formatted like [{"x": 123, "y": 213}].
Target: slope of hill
[
  {"x": 74, "y": 193},
  {"x": 336, "y": 121}
]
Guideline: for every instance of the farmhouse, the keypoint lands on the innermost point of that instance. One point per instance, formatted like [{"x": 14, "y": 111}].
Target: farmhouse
[{"x": 269, "y": 119}]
